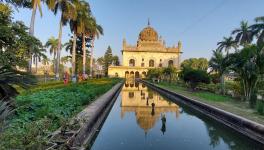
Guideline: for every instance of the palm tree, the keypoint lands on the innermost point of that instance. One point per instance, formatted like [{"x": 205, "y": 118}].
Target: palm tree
[
  {"x": 249, "y": 65},
  {"x": 95, "y": 31},
  {"x": 77, "y": 27},
  {"x": 38, "y": 54},
  {"x": 67, "y": 9},
  {"x": 85, "y": 28},
  {"x": 219, "y": 64},
  {"x": 258, "y": 29},
  {"x": 227, "y": 44},
  {"x": 244, "y": 34},
  {"x": 52, "y": 44},
  {"x": 35, "y": 4}
]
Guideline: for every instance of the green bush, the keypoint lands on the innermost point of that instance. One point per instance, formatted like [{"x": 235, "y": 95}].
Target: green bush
[{"x": 194, "y": 77}]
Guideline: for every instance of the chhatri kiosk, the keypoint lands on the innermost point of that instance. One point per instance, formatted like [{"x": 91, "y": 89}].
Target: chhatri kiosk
[{"x": 149, "y": 52}]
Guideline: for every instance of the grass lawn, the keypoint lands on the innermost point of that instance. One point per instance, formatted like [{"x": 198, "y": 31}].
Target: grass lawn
[
  {"x": 223, "y": 102},
  {"x": 44, "y": 108}
]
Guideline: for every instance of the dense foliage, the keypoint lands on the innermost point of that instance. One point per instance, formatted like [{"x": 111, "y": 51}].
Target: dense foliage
[
  {"x": 15, "y": 42},
  {"x": 168, "y": 73},
  {"x": 195, "y": 63},
  {"x": 249, "y": 65},
  {"x": 43, "y": 110},
  {"x": 193, "y": 77},
  {"x": 155, "y": 73}
]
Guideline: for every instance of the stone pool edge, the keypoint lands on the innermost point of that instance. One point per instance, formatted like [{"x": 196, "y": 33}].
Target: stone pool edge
[
  {"x": 94, "y": 115},
  {"x": 242, "y": 125},
  {"x": 88, "y": 121}
]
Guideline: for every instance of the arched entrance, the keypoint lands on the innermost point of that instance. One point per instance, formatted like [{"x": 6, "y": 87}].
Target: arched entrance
[
  {"x": 126, "y": 74},
  {"x": 144, "y": 74},
  {"x": 132, "y": 74},
  {"x": 137, "y": 74}
]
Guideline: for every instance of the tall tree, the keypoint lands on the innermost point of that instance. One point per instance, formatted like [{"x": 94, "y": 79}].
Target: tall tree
[
  {"x": 249, "y": 65},
  {"x": 68, "y": 12},
  {"x": 52, "y": 44},
  {"x": 219, "y": 64},
  {"x": 38, "y": 53},
  {"x": 227, "y": 44},
  {"x": 78, "y": 27},
  {"x": 107, "y": 59},
  {"x": 35, "y": 4},
  {"x": 95, "y": 31},
  {"x": 79, "y": 52},
  {"x": 244, "y": 34},
  {"x": 85, "y": 24}
]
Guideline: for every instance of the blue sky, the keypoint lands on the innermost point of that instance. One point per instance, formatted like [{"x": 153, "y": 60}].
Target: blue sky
[{"x": 199, "y": 24}]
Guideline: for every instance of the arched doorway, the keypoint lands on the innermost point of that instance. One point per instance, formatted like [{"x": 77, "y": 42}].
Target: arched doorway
[
  {"x": 132, "y": 62},
  {"x": 137, "y": 74},
  {"x": 151, "y": 63},
  {"x": 126, "y": 74},
  {"x": 144, "y": 74},
  {"x": 132, "y": 74}
]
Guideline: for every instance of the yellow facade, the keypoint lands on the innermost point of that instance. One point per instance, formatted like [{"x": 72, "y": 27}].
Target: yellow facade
[{"x": 149, "y": 52}]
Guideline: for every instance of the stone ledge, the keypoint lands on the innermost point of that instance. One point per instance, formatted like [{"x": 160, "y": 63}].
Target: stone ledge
[
  {"x": 87, "y": 121},
  {"x": 242, "y": 125},
  {"x": 94, "y": 115}
]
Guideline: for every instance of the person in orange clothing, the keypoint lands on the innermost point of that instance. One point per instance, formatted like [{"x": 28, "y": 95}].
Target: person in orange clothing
[{"x": 66, "y": 77}]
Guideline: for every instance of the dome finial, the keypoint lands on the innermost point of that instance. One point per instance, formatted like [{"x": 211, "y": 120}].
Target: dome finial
[{"x": 148, "y": 22}]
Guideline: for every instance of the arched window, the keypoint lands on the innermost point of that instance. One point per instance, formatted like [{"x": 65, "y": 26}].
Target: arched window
[
  {"x": 170, "y": 63},
  {"x": 151, "y": 63},
  {"x": 131, "y": 62}
]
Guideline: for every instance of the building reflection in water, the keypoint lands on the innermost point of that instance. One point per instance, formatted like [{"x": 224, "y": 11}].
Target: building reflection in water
[{"x": 149, "y": 107}]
